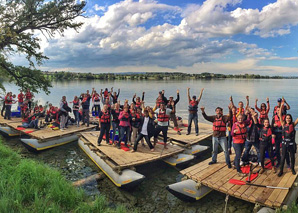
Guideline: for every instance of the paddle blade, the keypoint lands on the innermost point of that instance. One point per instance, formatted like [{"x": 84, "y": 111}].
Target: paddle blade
[
  {"x": 30, "y": 131},
  {"x": 245, "y": 169},
  {"x": 237, "y": 182},
  {"x": 20, "y": 128},
  {"x": 252, "y": 177},
  {"x": 268, "y": 166}
]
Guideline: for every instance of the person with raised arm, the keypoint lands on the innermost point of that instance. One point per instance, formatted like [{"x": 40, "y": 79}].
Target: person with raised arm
[
  {"x": 230, "y": 124},
  {"x": 115, "y": 95},
  {"x": 219, "y": 133},
  {"x": 96, "y": 102},
  {"x": 173, "y": 114},
  {"x": 263, "y": 111},
  {"x": 241, "y": 109},
  {"x": 161, "y": 99},
  {"x": 288, "y": 140},
  {"x": 104, "y": 118},
  {"x": 138, "y": 101},
  {"x": 239, "y": 132},
  {"x": 193, "y": 111},
  {"x": 163, "y": 117},
  {"x": 284, "y": 107},
  {"x": 265, "y": 140}
]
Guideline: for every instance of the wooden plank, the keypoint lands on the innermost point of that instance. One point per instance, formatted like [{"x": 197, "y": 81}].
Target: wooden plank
[
  {"x": 13, "y": 120},
  {"x": 127, "y": 159}
]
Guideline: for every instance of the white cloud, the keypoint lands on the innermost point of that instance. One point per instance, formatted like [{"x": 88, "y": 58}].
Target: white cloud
[{"x": 99, "y": 8}]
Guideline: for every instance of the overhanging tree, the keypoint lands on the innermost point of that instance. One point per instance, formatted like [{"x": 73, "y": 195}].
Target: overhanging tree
[{"x": 19, "y": 22}]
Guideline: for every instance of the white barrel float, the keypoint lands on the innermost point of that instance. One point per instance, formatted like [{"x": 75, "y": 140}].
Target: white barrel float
[
  {"x": 8, "y": 131},
  {"x": 35, "y": 145},
  {"x": 128, "y": 178},
  {"x": 188, "y": 190},
  {"x": 179, "y": 160},
  {"x": 195, "y": 149}
]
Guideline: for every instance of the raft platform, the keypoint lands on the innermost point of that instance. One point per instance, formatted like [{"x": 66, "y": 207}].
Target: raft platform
[
  {"x": 114, "y": 162},
  {"x": 217, "y": 177},
  {"x": 6, "y": 130}
]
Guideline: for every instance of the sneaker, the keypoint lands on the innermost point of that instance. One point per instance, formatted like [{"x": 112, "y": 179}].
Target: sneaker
[
  {"x": 241, "y": 163},
  {"x": 187, "y": 133},
  {"x": 280, "y": 174},
  {"x": 262, "y": 170},
  {"x": 98, "y": 144},
  {"x": 118, "y": 147},
  {"x": 179, "y": 133},
  {"x": 229, "y": 166},
  {"x": 197, "y": 134},
  {"x": 61, "y": 130},
  {"x": 240, "y": 174},
  {"x": 230, "y": 151},
  {"x": 293, "y": 172},
  {"x": 212, "y": 162}
]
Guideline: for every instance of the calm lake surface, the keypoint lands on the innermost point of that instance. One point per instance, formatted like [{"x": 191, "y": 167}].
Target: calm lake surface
[{"x": 151, "y": 195}]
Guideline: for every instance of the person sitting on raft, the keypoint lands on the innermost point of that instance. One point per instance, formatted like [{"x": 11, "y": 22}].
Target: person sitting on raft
[
  {"x": 30, "y": 120},
  {"x": 105, "y": 123},
  {"x": 138, "y": 101},
  {"x": 289, "y": 146},
  {"x": 265, "y": 138},
  {"x": 173, "y": 114},
  {"x": 239, "y": 131},
  {"x": 146, "y": 131},
  {"x": 263, "y": 111},
  {"x": 114, "y": 95},
  {"x": 252, "y": 139},
  {"x": 193, "y": 111},
  {"x": 163, "y": 116},
  {"x": 284, "y": 107},
  {"x": 124, "y": 125},
  {"x": 219, "y": 133}
]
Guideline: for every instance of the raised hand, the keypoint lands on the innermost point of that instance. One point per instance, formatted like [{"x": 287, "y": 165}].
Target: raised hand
[
  {"x": 202, "y": 109},
  {"x": 247, "y": 97},
  {"x": 231, "y": 98},
  {"x": 267, "y": 99},
  {"x": 257, "y": 100},
  {"x": 177, "y": 90}
]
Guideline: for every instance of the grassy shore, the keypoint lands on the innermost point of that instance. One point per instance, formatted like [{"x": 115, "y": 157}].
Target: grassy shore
[{"x": 30, "y": 186}]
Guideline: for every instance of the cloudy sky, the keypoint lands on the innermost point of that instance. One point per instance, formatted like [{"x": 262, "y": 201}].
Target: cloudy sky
[{"x": 194, "y": 36}]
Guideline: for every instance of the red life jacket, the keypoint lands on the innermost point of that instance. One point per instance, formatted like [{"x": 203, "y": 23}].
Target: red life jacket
[
  {"x": 265, "y": 134},
  {"x": 24, "y": 107},
  {"x": 40, "y": 109},
  {"x": 263, "y": 116},
  {"x": 159, "y": 101},
  {"x": 162, "y": 116},
  {"x": 105, "y": 117},
  {"x": 116, "y": 115},
  {"x": 277, "y": 121},
  {"x": 21, "y": 97},
  {"x": 106, "y": 93},
  {"x": 219, "y": 125},
  {"x": 8, "y": 101},
  {"x": 242, "y": 111},
  {"x": 138, "y": 104},
  {"x": 25, "y": 120},
  {"x": 28, "y": 95},
  {"x": 288, "y": 134},
  {"x": 240, "y": 135},
  {"x": 125, "y": 117},
  {"x": 193, "y": 106},
  {"x": 96, "y": 98}
]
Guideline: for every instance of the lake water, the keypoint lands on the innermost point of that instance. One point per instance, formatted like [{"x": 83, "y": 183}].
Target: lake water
[
  {"x": 216, "y": 93},
  {"x": 151, "y": 195}
]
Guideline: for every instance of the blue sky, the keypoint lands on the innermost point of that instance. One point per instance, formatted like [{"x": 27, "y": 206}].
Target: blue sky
[{"x": 220, "y": 36}]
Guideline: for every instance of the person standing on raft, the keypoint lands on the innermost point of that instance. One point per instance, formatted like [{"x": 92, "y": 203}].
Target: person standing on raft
[
  {"x": 105, "y": 123},
  {"x": 263, "y": 111},
  {"x": 193, "y": 111},
  {"x": 288, "y": 140},
  {"x": 146, "y": 131},
  {"x": 219, "y": 133},
  {"x": 163, "y": 117},
  {"x": 173, "y": 114}
]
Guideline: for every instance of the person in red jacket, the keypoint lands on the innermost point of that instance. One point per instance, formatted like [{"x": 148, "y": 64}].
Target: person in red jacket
[
  {"x": 105, "y": 123},
  {"x": 29, "y": 97},
  {"x": 21, "y": 97},
  {"x": 219, "y": 133},
  {"x": 239, "y": 133},
  {"x": 193, "y": 111},
  {"x": 263, "y": 111}
]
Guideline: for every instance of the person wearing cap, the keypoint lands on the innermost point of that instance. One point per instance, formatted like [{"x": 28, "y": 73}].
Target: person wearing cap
[
  {"x": 284, "y": 108},
  {"x": 219, "y": 133},
  {"x": 173, "y": 114},
  {"x": 193, "y": 111}
]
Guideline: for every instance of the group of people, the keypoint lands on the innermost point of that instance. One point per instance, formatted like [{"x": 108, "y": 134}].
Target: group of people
[
  {"x": 250, "y": 127},
  {"x": 135, "y": 122}
]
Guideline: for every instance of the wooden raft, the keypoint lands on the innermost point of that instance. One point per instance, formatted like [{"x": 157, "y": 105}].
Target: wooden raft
[
  {"x": 120, "y": 159},
  {"x": 13, "y": 120},
  {"x": 216, "y": 176},
  {"x": 205, "y": 131},
  {"x": 48, "y": 133}
]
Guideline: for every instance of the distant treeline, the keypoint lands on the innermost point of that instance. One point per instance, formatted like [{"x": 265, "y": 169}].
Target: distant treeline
[{"x": 153, "y": 76}]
